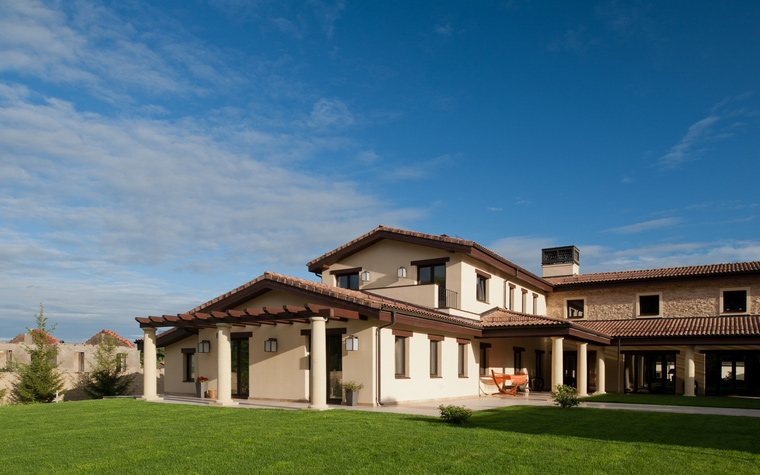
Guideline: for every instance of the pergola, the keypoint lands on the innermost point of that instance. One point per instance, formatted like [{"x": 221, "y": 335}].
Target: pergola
[{"x": 223, "y": 321}]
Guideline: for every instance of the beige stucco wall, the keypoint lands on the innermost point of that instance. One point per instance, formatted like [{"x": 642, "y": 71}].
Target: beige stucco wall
[
  {"x": 678, "y": 299},
  {"x": 383, "y": 259}
]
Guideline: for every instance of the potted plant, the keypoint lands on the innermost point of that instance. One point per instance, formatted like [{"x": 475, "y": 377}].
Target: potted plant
[
  {"x": 352, "y": 392},
  {"x": 201, "y": 385}
]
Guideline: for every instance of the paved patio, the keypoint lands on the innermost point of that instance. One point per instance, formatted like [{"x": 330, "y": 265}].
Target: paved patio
[{"x": 430, "y": 408}]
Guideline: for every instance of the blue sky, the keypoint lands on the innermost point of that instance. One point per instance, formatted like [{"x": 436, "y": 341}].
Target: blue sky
[{"x": 154, "y": 155}]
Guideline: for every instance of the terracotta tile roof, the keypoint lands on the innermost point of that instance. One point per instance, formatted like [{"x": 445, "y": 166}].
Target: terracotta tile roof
[
  {"x": 736, "y": 326},
  {"x": 359, "y": 297},
  {"x": 96, "y": 338},
  {"x": 21, "y": 338},
  {"x": 443, "y": 239},
  {"x": 706, "y": 270},
  {"x": 500, "y": 317}
]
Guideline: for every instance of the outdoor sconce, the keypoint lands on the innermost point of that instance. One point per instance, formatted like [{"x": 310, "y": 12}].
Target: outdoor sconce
[
  {"x": 365, "y": 276},
  {"x": 270, "y": 346},
  {"x": 352, "y": 343},
  {"x": 402, "y": 272},
  {"x": 204, "y": 346}
]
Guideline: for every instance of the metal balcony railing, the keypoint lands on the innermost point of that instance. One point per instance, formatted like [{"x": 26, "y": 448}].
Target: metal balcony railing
[{"x": 447, "y": 298}]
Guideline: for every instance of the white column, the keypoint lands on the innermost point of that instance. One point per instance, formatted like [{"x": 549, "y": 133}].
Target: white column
[
  {"x": 690, "y": 374},
  {"x": 601, "y": 379},
  {"x": 224, "y": 364},
  {"x": 149, "y": 365},
  {"x": 557, "y": 370},
  {"x": 318, "y": 364},
  {"x": 252, "y": 376},
  {"x": 581, "y": 382}
]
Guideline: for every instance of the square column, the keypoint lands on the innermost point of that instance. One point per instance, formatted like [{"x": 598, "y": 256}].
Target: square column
[
  {"x": 224, "y": 364},
  {"x": 557, "y": 369},
  {"x": 581, "y": 381},
  {"x": 691, "y": 370},
  {"x": 318, "y": 364},
  {"x": 601, "y": 379},
  {"x": 149, "y": 365}
]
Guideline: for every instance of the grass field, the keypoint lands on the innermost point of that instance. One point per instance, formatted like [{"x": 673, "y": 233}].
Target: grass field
[
  {"x": 673, "y": 400},
  {"x": 129, "y": 436}
]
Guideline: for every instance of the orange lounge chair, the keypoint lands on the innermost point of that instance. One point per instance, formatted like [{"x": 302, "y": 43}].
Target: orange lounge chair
[{"x": 500, "y": 379}]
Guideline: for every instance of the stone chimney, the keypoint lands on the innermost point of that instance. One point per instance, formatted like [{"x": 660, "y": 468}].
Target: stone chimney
[{"x": 560, "y": 261}]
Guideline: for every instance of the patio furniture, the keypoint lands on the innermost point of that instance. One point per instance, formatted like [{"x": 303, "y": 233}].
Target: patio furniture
[{"x": 515, "y": 380}]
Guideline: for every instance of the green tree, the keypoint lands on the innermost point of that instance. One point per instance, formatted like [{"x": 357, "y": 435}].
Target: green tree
[
  {"x": 39, "y": 380},
  {"x": 108, "y": 376},
  {"x": 2, "y": 391}
]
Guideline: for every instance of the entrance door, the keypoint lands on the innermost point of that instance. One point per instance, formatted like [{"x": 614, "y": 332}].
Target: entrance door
[
  {"x": 334, "y": 368},
  {"x": 239, "y": 368}
]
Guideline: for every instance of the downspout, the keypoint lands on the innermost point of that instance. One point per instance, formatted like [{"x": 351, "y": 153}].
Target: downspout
[{"x": 379, "y": 354}]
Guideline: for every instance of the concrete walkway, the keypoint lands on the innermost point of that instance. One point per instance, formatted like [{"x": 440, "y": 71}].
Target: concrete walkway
[{"x": 430, "y": 408}]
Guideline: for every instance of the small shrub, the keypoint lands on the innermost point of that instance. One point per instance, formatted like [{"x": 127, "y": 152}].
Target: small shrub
[
  {"x": 565, "y": 396},
  {"x": 352, "y": 385},
  {"x": 455, "y": 414}
]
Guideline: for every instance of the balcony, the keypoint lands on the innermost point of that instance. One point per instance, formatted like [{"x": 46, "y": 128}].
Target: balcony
[{"x": 426, "y": 295}]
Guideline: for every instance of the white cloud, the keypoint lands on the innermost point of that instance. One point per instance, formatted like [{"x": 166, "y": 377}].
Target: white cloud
[
  {"x": 444, "y": 30},
  {"x": 684, "y": 150},
  {"x": 646, "y": 226},
  {"x": 330, "y": 113}
]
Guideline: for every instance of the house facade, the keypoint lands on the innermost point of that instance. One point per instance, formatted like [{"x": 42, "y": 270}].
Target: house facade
[{"x": 414, "y": 316}]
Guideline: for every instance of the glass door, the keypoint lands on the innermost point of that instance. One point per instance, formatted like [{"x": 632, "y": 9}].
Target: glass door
[
  {"x": 334, "y": 368},
  {"x": 239, "y": 368}
]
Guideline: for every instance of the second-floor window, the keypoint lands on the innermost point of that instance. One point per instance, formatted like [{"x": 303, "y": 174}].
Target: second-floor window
[
  {"x": 348, "y": 278},
  {"x": 432, "y": 274},
  {"x": 481, "y": 289},
  {"x": 649, "y": 305},
  {"x": 734, "y": 301}
]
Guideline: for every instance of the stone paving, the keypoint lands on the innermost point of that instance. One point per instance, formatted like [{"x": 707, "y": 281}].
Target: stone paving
[{"x": 430, "y": 408}]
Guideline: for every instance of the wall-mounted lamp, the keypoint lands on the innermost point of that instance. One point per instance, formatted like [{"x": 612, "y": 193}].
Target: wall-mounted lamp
[
  {"x": 365, "y": 276},
  {"x": 204, "y": 346},
  {"x": 352, "y": 343},
  {"x": 401, "y": 272},
  {"x": 270, "y": 346}
]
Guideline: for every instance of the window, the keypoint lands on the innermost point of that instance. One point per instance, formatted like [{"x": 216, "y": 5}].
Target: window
[
  {"x": 435, "y": 362},
  {"x": 524, "y": 308},
  {"x": 189, "y": 364},
  {"x": 511, "y": 298},
  {"x": 734, "y": 301},
  {"x": 535, "y": 304},
  {"x": 80, "y": 361},
  {"x": 539, "y": 364},
  {"x": 484, "y": 358},
  {"x": 432, "y": 274},
  {"x": 481, "y": 289},
  {"x": 121, "y": 362},
  {"x": 575, "y": 308},
  {"x": 400, "y": 351},
  {"x": 518, "y": 366},
  {"x": 347, "y": 279},
  {"x": 649, "y": 305},
  {"x": 462, "y": 357}
]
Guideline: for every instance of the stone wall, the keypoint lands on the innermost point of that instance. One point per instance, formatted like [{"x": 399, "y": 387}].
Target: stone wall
[{"x": 678, "y": 298}]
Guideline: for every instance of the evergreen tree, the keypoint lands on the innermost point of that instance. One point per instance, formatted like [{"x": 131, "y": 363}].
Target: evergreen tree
[
  {"x": 108, "y": 376},
  {"x": 39, "y": 380}
]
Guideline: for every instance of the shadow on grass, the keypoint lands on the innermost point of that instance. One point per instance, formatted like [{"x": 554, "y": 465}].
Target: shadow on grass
[{"x": 692, "y": 430}]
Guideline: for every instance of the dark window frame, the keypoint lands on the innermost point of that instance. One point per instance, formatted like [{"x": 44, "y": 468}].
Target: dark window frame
[
  {"x": 571, "y": 308},
  {"x": 646, "y": 305},
  {"x": 481, "y": 287},
  {"x": 730, "y": 305}
]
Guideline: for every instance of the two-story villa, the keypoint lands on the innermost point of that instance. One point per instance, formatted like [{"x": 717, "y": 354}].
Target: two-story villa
[{"x": 415, "y": 316}]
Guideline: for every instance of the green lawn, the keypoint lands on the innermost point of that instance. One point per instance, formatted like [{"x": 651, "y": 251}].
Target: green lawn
[
  {"x": 129, "y": 436},
  {"x": 672, "y": 400}
]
